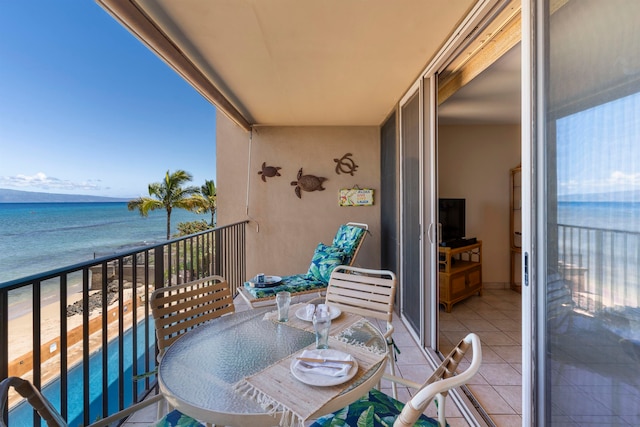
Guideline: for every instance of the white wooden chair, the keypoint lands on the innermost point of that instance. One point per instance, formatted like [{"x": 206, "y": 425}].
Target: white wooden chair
[
  {"x": 369, "y": 293},
  {"x": 377, "y": 405},
  {"x": 179, "y": 308},
  {"x": 53, "y": 418}
]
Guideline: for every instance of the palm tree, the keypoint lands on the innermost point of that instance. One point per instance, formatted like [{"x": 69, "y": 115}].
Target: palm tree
[
  {"x": 167, "y": 195},
  {"x": 208, "y": 202}
]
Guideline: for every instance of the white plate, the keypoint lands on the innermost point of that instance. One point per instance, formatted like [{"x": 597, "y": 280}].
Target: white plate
[
  {"x": 269, "y": 282},
  {"x": 301, "y": 313},
  {"x": 324, "y": 380}
]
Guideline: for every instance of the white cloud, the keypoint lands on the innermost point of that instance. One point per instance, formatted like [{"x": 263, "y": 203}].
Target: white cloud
[
  {"x": 618, "y": 178},
  {"x": 616, "y": 181},
  {"x": 41, "y": 181}
]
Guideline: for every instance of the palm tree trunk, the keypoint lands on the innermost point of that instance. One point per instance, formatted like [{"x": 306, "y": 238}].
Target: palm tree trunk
[{"x": 168, "y": 224}]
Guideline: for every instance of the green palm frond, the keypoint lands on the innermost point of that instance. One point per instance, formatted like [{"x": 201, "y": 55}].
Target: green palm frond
[{"x": 168, "y": 194}]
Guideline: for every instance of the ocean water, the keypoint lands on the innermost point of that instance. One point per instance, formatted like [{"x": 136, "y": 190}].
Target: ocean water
[
  {"x": 601, "y": 259},
  {"x": 38, "y": 237},
  {"x": 623, "y": 216}
]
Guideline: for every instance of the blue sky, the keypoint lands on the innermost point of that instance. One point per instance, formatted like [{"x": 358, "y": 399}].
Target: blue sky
[
  {"x": 598, "y": 149},
  {"x": 85, "y": 108}
]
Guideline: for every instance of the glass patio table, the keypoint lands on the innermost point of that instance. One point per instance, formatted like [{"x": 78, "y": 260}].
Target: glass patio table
[{"x": 198, "y": 372}]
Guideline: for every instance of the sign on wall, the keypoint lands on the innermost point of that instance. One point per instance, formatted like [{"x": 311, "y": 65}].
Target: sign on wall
[{"x": 356, "y": 197}]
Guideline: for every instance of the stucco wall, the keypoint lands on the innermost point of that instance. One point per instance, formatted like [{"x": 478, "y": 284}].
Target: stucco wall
[
  {"x": 474, "y": 163},
  {"x": 284, "y": 230}
]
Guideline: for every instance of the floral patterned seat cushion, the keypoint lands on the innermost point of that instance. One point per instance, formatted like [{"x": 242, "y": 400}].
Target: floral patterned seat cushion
[
  {"x": 294, "y": 283},
  {"x": 176, "y": 418},
  {"x": 347, "y": 238},
  {"x": 375, "y": 409},
  {"x": 325, "y": 259}
]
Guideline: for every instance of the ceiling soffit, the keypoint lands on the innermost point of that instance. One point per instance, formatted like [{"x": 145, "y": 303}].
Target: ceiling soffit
[{"x": 293, "y": 62}]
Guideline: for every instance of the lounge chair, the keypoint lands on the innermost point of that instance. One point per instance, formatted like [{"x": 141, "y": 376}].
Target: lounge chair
[{"x": 343, "y": 251}]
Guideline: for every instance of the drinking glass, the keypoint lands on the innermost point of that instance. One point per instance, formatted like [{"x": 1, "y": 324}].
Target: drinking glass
[
  {"x": 283, "y": 299},
  {"x": 322, "y": 324}
]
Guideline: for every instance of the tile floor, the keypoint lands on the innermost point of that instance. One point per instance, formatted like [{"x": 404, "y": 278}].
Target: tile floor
[{"x": 495, "y": 317}]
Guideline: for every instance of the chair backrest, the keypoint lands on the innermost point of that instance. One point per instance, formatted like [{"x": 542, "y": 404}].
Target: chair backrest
[
  {"x": 180, "y": 308},
  {"x": 350, "y": 237},
  {"x": 27, "y": 390},
  {"x": 366, "y": 292},
  {"x": 442, "y": 380}
]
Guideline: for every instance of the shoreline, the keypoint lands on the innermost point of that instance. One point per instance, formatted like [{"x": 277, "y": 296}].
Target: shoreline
[{"x": 18, "y": 309}]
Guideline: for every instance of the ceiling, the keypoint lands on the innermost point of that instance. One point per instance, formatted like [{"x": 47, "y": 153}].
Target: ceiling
[
  {"x": 296, "y": 62},
  {"x": 333, "y": 62},
  {"x": 493, "y": 97}
]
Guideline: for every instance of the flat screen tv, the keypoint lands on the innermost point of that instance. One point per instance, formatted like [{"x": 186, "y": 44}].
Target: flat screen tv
[{"x": 452, "y": 219}]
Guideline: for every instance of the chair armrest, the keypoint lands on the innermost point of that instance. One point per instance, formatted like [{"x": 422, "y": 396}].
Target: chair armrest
[{"x": 403, "y": 381}]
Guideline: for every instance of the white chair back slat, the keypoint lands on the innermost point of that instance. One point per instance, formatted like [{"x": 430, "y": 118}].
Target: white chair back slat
[
  {"x": 369, "y": 293},
  {"x": 180, "y": 308}
]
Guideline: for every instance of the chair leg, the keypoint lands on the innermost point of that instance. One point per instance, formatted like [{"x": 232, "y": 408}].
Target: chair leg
[
  {"x": 163, "y": 409},
  {"x": 440, "y": 400},
  {"x": 392, "y": 368}
]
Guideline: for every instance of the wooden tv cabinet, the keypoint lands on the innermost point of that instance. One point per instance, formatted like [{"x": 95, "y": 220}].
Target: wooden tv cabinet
[{"x": 460, "y": 273}]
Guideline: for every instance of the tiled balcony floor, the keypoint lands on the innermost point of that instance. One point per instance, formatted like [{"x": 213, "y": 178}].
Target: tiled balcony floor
[{"x": 495, "y": 318}]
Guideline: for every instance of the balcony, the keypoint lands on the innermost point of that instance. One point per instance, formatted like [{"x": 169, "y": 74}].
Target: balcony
[
  {"x": 73, "y": 346},
  {"x": 36, "y": 347}
]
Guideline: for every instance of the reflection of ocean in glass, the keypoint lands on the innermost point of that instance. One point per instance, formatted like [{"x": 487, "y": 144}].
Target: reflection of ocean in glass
[
  {"x": 599, "y": 253},
  {"x": 623, "y": 216},
  {"x": 38, "y": 237}
]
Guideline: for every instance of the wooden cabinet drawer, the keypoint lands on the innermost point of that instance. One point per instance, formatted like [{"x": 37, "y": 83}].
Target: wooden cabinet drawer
[
  {"x": 474, "y": 277},
  {"x": 458, "y": 284},
  {"x": 460, "y": 274}
]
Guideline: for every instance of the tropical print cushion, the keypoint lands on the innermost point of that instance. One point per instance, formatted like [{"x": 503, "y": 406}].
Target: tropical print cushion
[
  {"x": 176, "y": 418},
  {"x": 294, "y": 283},
  {"x": 347, "y": 238},
  {"x": 376, "y": 409},
  {"x": 324, "y": 260}
]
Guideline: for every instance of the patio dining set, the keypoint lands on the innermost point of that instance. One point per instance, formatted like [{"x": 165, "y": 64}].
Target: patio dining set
[{"x": 222, "y": 367}]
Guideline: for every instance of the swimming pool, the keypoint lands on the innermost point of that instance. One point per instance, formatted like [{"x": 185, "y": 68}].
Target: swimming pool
[{"x": 22, "y": 414}]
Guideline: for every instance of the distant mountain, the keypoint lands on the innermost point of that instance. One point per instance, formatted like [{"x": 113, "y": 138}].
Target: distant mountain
[
  {"x": 15, "y": 196},
  {"x": 614, "y": 196}
]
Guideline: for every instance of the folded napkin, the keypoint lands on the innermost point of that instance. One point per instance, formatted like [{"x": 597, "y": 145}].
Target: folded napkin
[
  {"x": 322, "y": 308},
  {"x": 331, "y": 369},
  {"x": 309, "y": 310}
]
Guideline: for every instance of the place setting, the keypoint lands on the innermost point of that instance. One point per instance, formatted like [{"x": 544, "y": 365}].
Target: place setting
[
  {"x": 300, "y": 384},
  {"x": 322, "y": 366},
  {"x": 264, "y": 281},
  {"x": 306, "y": 312}
]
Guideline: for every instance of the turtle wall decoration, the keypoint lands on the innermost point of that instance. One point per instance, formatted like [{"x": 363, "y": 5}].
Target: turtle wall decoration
[
  {"x": 345, "y": 164},
  {"x": 268, "y": 171},
  {"x": 308, "y": 183}
]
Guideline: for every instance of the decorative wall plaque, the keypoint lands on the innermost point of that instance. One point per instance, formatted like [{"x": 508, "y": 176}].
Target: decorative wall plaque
[
  {"x": 356, "y": 197},
  {"x": 308, "y": 183},
  {"x": 268, "y": 171},
  {"x": 345, "y": 164}
]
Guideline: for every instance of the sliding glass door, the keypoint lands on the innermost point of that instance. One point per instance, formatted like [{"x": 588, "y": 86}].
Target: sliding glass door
[
  {"x": 410, "y": 189},
  {"x": 586, "y": 198}
]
